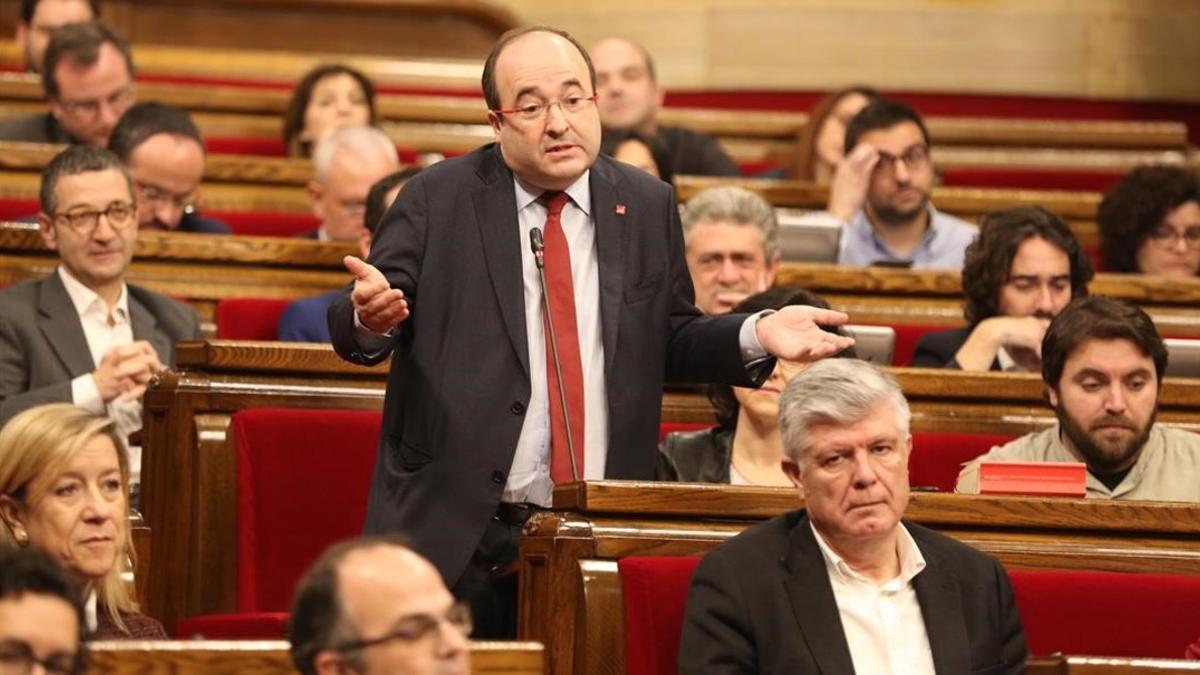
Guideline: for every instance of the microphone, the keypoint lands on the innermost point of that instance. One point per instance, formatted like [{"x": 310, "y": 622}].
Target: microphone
[{"x": 538, "y": 245}]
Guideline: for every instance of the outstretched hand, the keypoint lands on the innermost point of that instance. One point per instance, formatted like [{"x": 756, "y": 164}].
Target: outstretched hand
[
  {"x": 379, "y": 306},
  {"x": 794, "y": 333}
]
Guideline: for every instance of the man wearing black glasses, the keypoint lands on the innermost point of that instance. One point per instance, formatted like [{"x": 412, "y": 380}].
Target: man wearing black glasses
[
  {"x": 880, "y": 194},
  {"x": 374, "y": 606},
  {"x": 82, "y": 335},
  {"x": 88, "y": 80},
  {"x": 41, "y": 617}
]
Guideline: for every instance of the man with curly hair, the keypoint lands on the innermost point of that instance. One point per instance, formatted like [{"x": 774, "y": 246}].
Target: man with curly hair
[
  {"x": 1023, "y": 269},
  {"x": 1150, "y": 223}
]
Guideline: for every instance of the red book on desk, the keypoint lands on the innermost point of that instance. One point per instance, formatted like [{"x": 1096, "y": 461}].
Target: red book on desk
[{"x": 1057, "y": 479}]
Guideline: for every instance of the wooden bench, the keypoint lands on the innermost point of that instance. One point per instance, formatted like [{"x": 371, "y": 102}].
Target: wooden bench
[
  {"x": 189, "y": 484},
  {"x": 406, "y": 28},
  {"x": 227, "y": 657},
  {"x": 200, "y": 269},
  {"x": 570, "y": 594}
]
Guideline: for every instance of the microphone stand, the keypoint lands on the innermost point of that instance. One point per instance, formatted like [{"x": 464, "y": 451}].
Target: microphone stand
[{"x": 538, "y": 245}]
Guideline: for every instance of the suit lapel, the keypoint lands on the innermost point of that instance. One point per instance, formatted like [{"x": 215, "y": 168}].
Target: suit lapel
[
  {"x": 612, "y": 236},
  {"x": 938, "y": 593},
  {"x": 60, "y": 326},
  {"x": 144, "y": 326},
  {"x": 496, "y": 216},
  {"x": 813, "y": 603}
]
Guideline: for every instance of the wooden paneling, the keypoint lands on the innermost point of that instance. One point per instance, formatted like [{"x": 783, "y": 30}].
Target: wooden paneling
[
  {"x": 593, "y": 525},
  {"x": 189, "y": 486},
  {"x": 269, "y": 657}
]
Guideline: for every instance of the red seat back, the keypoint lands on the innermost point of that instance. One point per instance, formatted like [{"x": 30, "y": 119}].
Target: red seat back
[
  {"x": 937, "y": 456},
  {"x": 655, "y": 590},
  {"x": 907, "y": 336},
  {"x": 303, "y": 477},
  {"x": 1108, "y": 613},
  {"x": 267, "y": 224},
  {"x": 249, "y": 318},
  {"x": 665, "y": 428}
]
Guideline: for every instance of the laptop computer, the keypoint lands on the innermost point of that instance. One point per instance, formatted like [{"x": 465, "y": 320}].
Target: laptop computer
[
  {"x": 873, "y": 343},
  {"x": 1183, "y": 358},
  {"x": 807, "y": 236}
]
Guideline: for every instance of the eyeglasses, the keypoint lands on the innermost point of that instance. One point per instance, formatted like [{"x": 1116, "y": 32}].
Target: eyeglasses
[
  {"x": 85, "y": 221},
  {"x": 90, "y": 108},
  {"x": 157, "y": 195},
  {"x": 417, "y": 628},
  {"x": 532, "y": 112},
  {"x": 17, "y": 658},
  {"x": 1168, "y": 237},
  {"x": 916, "y": 157}
]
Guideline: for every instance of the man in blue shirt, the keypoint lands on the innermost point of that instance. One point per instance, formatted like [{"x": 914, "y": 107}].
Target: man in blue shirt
[{"x": 880, "y": 194}]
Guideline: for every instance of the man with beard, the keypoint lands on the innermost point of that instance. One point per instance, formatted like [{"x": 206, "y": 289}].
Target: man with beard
[
  {"x": 1103, "y": 363},
  {"x": 880, "y": 194},
  {"x": 1023, "y": 269}
]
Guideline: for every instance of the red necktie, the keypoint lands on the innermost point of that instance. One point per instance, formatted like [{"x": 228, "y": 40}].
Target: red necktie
[{"x": 560, "y": 290}]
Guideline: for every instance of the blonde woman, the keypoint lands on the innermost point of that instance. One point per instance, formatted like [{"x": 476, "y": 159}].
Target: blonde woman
[{"x": 64, "y": 489}]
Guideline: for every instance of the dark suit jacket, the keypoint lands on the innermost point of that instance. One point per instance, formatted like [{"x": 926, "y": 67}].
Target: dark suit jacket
[
  {"x": 695, "y": 154},
  {"x": 304, "y": 320},
  {"x": 695, "y": 456},
  {"x": 42, "y": 345},
  {"x": 763, "y": 603},
  {"x": 40, "y": 128},
  {"x": 194, "y": 222},
  {"x": 459, "y": 381},
  {"x": 937, "y": 350}
]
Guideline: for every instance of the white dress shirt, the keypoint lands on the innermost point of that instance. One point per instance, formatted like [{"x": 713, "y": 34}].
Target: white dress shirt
[
  {"x": 884, "y": 628},
  {"x": 529, "y": 479},
  {"x": 104, "y": 329}
]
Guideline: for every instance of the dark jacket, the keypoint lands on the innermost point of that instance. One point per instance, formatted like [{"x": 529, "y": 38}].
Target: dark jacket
[
  {"x": 762, "y": 602},
  {"x": 40, "y": 128},
  {"x": 695, "y": 456},
  {"x": 937, "y": 350},
  {"x": 137, "y": 627},
  {"x": 460, "y": 373}
]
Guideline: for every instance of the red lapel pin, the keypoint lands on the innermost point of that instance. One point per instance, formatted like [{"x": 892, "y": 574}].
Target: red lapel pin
[{"x": 620, "y": 209}]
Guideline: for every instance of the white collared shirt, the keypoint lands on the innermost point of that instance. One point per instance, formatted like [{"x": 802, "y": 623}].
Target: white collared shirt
[
  {"x": 884, "y": 628},
  {"x": 104, "y": 329},
  {"x": 529, "y": 479},
  {"x": 89, "y": 612}
]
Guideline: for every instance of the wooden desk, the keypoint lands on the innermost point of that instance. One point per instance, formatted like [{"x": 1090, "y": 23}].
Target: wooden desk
[
  {"x": 189, "y": 482},
  {"x": 570, "y": 597},
  {"x": 200, "y": 269},
  {"x": 931, "y": 297},
  {"x": 270, "y": 657}
]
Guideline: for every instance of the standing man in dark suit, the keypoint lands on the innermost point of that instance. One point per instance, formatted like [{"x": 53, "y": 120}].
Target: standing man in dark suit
[
  {"x": 473, "y": 436},
  {"x": 843, "y": 586},
  {"x": 82, "y": 335}
]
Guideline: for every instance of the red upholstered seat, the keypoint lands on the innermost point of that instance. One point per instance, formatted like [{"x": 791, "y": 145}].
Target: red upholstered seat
[
  {"x": 249, "y": 318},
  {"x": 907, "y": 336},
  {"x": 655, "y": 590},
  {"x": 937, "y": 456},
  {"x": 303, "y": 476},
  {"x": 267, "y": 224},
  {"x": 258, "y": 626},
  {"x": 665, "y": 428},
  {"x": 12, "y": 209},
  {"x": 1108, "y": 613}
]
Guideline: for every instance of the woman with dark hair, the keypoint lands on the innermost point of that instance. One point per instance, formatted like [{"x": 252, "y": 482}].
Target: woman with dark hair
[
  {"x": 327, "y": 98},
  {"x": 745, "y": 447},
  {"x": 821, "y": 144},
  {"x": 1150, "y": 223},
  {"x": 633, "y": 147}
]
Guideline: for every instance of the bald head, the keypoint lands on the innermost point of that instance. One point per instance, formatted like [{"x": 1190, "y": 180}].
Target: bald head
[{"x": 628, "y": 84}]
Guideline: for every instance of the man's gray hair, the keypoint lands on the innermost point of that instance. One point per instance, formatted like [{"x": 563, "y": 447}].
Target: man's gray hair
[
  {"x": 836, "y": 392},
  {"x": 361, "y": 141},
  {"x": 734, "y": 205}
]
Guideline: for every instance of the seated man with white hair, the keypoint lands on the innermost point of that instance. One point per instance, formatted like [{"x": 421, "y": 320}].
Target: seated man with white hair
[
  {"x": 345, "y": 166},
  {"x": 843, "y": 585}
]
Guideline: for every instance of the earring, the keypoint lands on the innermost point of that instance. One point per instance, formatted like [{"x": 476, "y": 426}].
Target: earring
[{"x": 22, "y": 538}]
